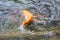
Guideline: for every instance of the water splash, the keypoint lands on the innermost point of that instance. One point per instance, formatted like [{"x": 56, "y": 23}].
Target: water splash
[{"x": 21, "y": 28}]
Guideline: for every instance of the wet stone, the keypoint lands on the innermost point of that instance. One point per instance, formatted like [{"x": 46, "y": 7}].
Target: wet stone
[{"x": 10, "y": 17}]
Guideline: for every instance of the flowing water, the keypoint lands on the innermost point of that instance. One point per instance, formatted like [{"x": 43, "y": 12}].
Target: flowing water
[{"x": 46, "y": 25}]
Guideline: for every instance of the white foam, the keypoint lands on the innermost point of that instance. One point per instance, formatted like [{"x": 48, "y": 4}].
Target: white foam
[{"x": 21, "y": 28}]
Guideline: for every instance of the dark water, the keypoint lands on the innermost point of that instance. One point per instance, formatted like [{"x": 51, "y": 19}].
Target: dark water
[{"x": 10, "y": 19}]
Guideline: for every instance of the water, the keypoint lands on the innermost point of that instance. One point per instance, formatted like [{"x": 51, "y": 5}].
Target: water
[{"x": 11, "y": 19}]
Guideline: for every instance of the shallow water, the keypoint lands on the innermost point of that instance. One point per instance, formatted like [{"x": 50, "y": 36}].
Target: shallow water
[{"x": 10, "y": 10}]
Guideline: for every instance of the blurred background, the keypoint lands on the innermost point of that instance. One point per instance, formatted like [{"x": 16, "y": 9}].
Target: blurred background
[{"x": 46, "y": 10}]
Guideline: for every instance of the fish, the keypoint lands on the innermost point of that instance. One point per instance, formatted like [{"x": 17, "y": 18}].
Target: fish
[
  {"x": 28, "y": 19},
  {"x": 28, "y": 16}
]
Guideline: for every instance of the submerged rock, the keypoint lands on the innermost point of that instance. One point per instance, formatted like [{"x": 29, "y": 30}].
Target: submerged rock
[
  {"x": 10, "y": 13},
  {"x": 10, "y": 19}
]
